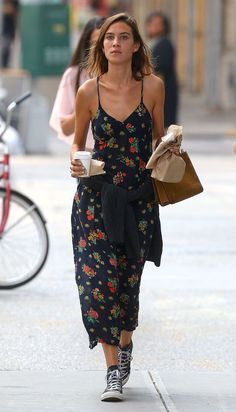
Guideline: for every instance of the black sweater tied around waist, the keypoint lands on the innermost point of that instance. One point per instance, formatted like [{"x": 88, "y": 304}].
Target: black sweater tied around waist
[{"x": 119, "y": 219}]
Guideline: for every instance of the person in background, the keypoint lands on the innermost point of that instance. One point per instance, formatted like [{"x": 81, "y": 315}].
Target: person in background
[
  {"x": 9, "y": 22},
  {"x": 163, "y": 54},
  {"x": 62, "y": 119}
]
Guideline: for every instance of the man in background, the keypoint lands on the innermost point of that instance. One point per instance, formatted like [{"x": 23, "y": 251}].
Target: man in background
[
  {"x": 9, "y": 22},
  {"x": 163, "y": 56}
]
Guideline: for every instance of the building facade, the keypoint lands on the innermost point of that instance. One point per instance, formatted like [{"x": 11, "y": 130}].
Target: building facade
[{"x": 204, "y": 34}]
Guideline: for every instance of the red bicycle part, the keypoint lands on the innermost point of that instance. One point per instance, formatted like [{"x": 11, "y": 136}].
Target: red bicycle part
[{"x": 6, "y": 200}]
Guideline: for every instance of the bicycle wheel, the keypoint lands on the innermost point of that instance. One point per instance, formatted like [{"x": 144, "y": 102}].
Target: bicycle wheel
[{"x": 24, "y": 243}]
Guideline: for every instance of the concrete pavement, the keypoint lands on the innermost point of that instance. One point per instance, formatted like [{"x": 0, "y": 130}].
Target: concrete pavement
[
  {"x": 196, "y": 391},
  {"x": 79, "y": 391},
  {"x": 62, "y": 391},
  {"x": 184, "y": 357}
]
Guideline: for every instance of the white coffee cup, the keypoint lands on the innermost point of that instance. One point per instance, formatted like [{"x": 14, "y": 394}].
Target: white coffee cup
[{"x": 85, "y": 158}]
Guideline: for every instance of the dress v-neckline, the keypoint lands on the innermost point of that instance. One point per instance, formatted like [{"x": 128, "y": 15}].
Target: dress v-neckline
[
  {"x": 141, "y": 103},
  {"x": 126, "y": 119},
  {"x": 116, "y": 120}
]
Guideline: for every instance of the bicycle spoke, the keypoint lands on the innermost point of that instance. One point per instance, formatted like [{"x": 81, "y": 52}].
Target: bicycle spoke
[
  {"x": 20, "y": 219},
  {"x": 24, "y": 244}
]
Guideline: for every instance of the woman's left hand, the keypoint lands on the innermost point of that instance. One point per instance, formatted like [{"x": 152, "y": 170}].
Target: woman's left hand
[{"x": 175, "y": 148}]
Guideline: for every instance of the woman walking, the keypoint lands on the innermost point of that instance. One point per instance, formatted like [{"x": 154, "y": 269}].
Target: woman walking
[
  {"x": 115, "y": 221},
  {"x": 62, "y": 119}
]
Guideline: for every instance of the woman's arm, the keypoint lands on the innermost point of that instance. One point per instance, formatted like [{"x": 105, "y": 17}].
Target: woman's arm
[
  {"x": 64, "y": 105},
  {"x": 68, "y": 124},
  {"x": 158, "y": 92},
  {"x": 158, "y": 115},
  {"x": 82, "y": 119}
]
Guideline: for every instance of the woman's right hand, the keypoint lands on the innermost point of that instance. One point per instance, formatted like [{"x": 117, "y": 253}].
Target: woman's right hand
[{"x": 76, "y": 168}]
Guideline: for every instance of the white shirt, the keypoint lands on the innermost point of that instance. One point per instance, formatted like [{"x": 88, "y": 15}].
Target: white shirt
[{"x": 64, "y": 105}]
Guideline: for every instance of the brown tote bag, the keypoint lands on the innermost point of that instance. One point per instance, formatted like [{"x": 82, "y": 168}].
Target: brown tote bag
[{"x": 170, "y": 193}]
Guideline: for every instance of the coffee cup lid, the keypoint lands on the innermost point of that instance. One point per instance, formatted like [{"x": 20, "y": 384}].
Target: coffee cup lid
[{"x": 81, "y": 154}]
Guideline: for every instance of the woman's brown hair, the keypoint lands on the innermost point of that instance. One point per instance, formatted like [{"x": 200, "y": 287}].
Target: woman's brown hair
[
  {"x": 81, "y": 52},
  {"x": 141, "y": 63}
]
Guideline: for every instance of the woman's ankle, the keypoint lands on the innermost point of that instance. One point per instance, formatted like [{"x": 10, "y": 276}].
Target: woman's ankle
[
  {"x": 125, "y": 344},
  {"x": 112, "y": 368}
]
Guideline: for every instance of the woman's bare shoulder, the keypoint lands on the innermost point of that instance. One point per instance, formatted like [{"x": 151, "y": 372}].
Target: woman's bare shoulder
[
  {"x": 87, "y": 93},
  {"x": 154, "y": 83},
  {"x": 88, "y": 87},
  {"x": 154, "y": 90}
]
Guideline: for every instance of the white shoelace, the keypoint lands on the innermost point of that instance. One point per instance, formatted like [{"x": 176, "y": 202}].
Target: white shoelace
[
  {"x": 124, "y": 358},
  {"x": 113, "y": 380}
]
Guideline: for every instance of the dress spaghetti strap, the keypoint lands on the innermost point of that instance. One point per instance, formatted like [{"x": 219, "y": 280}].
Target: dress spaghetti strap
[
  {"x": 99, "y": 103},
  {"x": 142, "y": 92}
]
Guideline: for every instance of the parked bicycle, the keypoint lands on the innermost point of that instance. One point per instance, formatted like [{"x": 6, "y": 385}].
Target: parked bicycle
[{"x": 24, "y": 241}]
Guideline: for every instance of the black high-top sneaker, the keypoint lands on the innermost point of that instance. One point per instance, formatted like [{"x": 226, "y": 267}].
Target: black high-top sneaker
[
  {"x": 113, "y": 391},
  {"x": 125, "y": 357}
]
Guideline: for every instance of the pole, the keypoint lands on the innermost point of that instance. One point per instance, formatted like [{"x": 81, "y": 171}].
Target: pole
[
  {"x": 213, "y": 49},
  {"x": 1, "y": 24}
]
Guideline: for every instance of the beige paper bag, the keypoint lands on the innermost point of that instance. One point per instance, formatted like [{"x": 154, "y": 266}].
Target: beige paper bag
[
  {"x": 167, "y": 166},
  {"x": 96, "y": 167}
]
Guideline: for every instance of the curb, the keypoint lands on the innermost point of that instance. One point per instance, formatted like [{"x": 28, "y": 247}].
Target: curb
[{"x": 162, "y": 392}]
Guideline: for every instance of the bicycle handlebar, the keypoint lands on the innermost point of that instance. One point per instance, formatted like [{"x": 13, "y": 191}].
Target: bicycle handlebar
[
  {"x": 22, "y": 98},
  {"x": 10, "y": 108}
]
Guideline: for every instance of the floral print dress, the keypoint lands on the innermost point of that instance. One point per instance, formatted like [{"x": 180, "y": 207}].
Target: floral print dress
[{"x": 108, "y": 282}]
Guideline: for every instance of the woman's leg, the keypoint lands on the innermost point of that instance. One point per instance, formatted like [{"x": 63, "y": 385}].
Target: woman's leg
[
  {"x": 111, "y": 354},
  {"x": 96, "y": 271},
  {"x": 125, "y": 338},
  {"x": 129, "y": 285},
  {"x": 125, "y": 355},
  {"x": 113, "y": 391},
  {"x": 111, "y": 351}
]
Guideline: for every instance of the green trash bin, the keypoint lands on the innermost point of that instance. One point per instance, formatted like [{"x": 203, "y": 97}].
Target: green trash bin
[{"x": 45, "y": 38}]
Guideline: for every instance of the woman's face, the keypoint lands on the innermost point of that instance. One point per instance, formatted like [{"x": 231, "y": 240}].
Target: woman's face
[
  {"x": 94, "y": 36},
  {"x": 118, "y": 44}
]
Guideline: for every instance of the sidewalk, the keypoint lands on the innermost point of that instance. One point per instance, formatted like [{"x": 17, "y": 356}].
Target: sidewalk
[
  {"x": 188, "y": 306},
  {"x": 206, "y": 131},
  {"x": 200, "y": 121},
  {"x": 79, "y": 391},
  {"x": 196, "y": 391}
]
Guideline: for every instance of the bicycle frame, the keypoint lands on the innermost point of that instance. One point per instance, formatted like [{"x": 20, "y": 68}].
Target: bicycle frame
[
  {"x": 21, "y": 221},
  {"x": 5, "y": 177}
]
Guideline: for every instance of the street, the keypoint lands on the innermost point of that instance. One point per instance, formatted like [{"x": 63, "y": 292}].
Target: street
[{"x": 188, "y": 305}]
